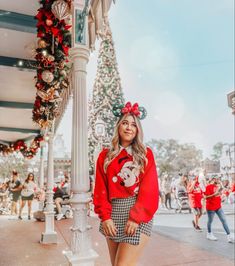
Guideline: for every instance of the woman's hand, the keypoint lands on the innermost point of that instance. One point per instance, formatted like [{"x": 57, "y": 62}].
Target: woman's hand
[
  {"x": 130, "y": 228},
  {"x": 109, "y": 228}
]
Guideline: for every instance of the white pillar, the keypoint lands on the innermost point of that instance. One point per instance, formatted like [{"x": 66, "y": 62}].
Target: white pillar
[
  {"x": 81, "y": 252},
  {"x": 49, "y": 236},
  {"x": 41, "y": 171},
  {"x": 41, "y": 179}
]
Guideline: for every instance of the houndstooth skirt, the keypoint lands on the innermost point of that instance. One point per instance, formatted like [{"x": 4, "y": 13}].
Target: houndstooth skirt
[{"x": 120, "y": 215}]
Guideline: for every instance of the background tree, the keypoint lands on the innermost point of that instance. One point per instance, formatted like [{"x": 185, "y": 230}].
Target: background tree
[
  {"x": 217, "y": 151},
  {"x": 173, "y": 157},
  {"x": 14, "y": 161}
]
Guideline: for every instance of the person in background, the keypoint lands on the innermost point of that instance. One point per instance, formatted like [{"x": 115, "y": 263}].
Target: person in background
[
  {"x": 58, "y": 198},
  {"x": 202, "y": 184},
  {"x": 226, "y": 190},
  {"x": 231, "y": 197},
  {"x": 161, "y": 195},
  {"x": 182, "y": 184},
  {"x": 166, "y": 188},
  {"x": 29, "y": 188},
  {"x": 15, "y": 187},
  {"x": 213, "y": 206},
  {"x": 65, "y": 185},
  {"x": 174, "y": 182},
  {"x": 4, "y": 194},
  {"x": 195, "y": 201}
]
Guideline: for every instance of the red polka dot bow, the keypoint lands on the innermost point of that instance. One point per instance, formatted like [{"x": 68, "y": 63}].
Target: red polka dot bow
[
  {"x": 132, "y": 109},
  {"x": 121, "y": 109}
]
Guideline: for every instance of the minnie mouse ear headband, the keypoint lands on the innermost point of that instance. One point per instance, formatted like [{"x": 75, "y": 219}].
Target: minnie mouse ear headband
[{"x": 120, "y": 109}]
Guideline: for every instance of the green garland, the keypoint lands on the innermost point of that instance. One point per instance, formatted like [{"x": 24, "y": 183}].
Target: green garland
[{"x": 51, "y": 57}]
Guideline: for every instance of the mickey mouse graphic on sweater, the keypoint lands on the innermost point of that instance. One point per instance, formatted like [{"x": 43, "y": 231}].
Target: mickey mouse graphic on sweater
[
  {"x": 123, "y": 179},
  {"x": 129, "y": 174}
]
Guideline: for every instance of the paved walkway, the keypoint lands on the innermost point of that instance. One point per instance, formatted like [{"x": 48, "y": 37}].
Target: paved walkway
[{"x": 19, "y": 246}]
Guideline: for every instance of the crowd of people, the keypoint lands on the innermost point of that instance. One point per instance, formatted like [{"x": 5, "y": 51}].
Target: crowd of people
[
  {"x": 15, "y": 193},
  {"x": 205, "y": 194}
]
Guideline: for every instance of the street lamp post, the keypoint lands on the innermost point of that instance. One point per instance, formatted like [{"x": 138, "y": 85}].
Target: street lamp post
[
  {"x": 99, "y": 131},
  {"x": 231, "y": 101},
  {"x": 99, "y": 135},
  {"x": 50, "y": 235}
]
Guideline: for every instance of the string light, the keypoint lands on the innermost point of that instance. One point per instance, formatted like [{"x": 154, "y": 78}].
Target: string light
[
  {"x": 20, "y": 63},
  {"x": 44, "y": 52}
]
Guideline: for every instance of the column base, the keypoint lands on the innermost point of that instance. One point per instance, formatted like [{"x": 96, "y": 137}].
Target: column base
[
  {"x": 49, "y": 238},
  {"x": 81, "y": 260}
]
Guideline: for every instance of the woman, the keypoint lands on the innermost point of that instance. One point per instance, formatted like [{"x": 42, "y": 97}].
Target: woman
[
  {"x": 126, "y": 188},
  {"x": 182, "y": 185},
  {"x": 27, "y": 194},
  {"x": 195, "y": 201},
  {"x": 167, "y": 189},
  {"x": 213, "y": 206}
]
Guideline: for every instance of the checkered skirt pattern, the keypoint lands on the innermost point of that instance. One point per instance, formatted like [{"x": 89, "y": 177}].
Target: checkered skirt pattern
[{"x": 120, "y": 215}]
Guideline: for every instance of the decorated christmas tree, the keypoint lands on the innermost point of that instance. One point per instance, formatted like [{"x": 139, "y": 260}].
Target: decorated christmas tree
[{"x": 106, "y": 91}]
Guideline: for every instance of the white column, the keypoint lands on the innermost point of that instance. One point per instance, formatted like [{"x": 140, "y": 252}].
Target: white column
[
  {"x": 41, "y": 178},
  {"x": 81, "y": 252},
  {"x": 41, "y": 172},
  {"x": 49, "y": 236}
]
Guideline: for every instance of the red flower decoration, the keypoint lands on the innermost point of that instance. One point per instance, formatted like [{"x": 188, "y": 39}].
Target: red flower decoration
[{"x": 37, "y": 103}]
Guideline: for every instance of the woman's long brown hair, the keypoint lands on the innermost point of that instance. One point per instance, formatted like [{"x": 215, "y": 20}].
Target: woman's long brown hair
[{"x": 138, "y": 148}]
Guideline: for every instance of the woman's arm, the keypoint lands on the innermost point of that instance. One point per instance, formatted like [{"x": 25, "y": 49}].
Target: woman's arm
[
  {"x": 212, "y": 195},
  {"x": 101, "y": 200},
  {"x": 191, "y": 186}
]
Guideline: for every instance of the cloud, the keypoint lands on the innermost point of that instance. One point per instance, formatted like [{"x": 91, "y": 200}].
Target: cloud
[
  {"x": 170, "y": 108},
  {"x": 151, "y": 55}
]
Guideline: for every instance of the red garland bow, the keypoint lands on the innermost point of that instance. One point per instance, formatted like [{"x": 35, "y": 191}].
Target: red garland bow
[{"x": 128, "y": 108}]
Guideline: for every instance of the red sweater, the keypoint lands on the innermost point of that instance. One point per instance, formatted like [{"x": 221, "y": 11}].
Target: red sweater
[
  {"x": 195, "y": 196},
  {"x": 213, "y": 203},
  {"x": 122, "y": 180}
]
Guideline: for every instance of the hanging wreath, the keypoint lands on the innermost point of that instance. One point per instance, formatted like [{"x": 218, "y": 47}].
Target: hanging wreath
[
  {"x": 21, "y": 146},
  {"x": 54, "y": 41}
]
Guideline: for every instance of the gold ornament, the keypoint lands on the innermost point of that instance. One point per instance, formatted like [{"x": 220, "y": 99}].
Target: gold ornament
[
  {"x": 42, "y": 44},
  {"x": 57, "y": 85},
  {"x": 60, "y": 9},
  {"x": 51, "y": 58},
  {"x": 47, "y": 76},
  {"x": 43, "y": 123},
  {"x": 61, "y": 65},
  {"x": 63, "y": 73}
]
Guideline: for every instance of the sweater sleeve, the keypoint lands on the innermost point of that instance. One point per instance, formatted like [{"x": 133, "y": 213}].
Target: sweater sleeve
[
  {"x": 101, "y": 198},
  {"x": 147, "y": 200}
]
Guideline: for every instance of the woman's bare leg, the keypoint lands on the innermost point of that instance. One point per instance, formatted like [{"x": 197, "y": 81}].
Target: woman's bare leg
[
  {"x": 22, "y": 206},
  {"x": 113, "y": 246},
  {"x": 127, "y": 254},
  {"x": 29, "y": 207}
]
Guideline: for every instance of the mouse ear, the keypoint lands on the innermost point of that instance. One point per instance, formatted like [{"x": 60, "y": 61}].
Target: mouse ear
[
  {"x": 143, "y": 113},
  {"x": 117, "y": 109}
]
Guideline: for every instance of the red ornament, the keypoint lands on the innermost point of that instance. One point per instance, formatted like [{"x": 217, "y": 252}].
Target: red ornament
[
  {"x": 37, "y": 103},
  {"x": 66, "y": 49},
  {"x": 40, "y": 34}
]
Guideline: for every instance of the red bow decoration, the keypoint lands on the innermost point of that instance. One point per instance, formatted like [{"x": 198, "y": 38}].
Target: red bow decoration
[{"x": 132, "y": 109}]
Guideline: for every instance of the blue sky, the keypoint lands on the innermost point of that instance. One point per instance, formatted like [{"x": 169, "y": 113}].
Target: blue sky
[{"x": 176, "y": 59}]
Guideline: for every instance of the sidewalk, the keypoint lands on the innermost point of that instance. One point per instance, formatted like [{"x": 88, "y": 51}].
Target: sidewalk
[
  {"x": 229, "y": 209},
  {"x": 19, "y": 246}
]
